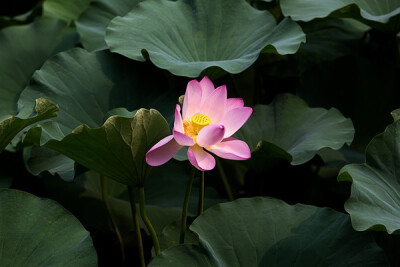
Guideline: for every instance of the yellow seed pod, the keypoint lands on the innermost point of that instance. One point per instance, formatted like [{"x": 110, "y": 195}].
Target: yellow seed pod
[{"x": 199, "y": 121}]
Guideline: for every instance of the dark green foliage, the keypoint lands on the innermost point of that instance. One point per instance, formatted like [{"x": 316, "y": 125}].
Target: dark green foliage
[{"x": 88, "y": 87}]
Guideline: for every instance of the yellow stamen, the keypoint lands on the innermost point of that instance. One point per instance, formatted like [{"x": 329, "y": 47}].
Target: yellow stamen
[{"x": 199, "y": 121}]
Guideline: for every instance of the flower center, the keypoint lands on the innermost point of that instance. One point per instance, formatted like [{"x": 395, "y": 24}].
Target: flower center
[
  {"x": 199, "y": 121},
  {"x": 196, "y": 123}
]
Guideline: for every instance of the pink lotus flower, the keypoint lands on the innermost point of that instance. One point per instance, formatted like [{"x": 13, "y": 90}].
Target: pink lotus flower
[{"x": 208, "y": 121}]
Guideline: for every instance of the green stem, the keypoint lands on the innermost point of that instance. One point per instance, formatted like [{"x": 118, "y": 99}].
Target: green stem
[
  {"x": 185, "y": 207},
  {"x": 113, "y": 222},
  {"x": 137, "y": 226},
  {"x": 201, "y": 195},
  {"x": 147, "y": 222},
  {"x": 224, "y": 180}
]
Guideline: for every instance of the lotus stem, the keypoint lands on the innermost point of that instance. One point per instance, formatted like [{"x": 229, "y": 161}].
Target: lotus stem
[
  {"x": 104, "y": 196},
  {"x": 137, "y": 227},
  {"x": 201, "y": 195},
  {"x": 224, "y": 180},
  {"x": 185, "y": 207},
  {"x": 147, "y": 222}
]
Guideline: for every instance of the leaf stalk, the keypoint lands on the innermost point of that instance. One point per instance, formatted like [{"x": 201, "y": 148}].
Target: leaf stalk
[
  {"x": 104, "y": 196},
  {"x": 137, "y": 226},
  {"x": 185, "y": 207},
  {"x": 201, "y": 194},
  {"x": 224, "y": 180},
  {"x": 147, "y": 222}
]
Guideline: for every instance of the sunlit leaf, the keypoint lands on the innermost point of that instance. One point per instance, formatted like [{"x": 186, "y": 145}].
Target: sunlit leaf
[
  {"x": 9, "y": 128},
  {"x": 182, "y": 37},
  {"x": 288, "y": 124},
  {"x": 395, "y": 114},
  {"x": 117, "y": 149},
  {"x": 41, "y": 232},
  {"x": 263, "y": 232},
  {"x": 375, "y": 202}
]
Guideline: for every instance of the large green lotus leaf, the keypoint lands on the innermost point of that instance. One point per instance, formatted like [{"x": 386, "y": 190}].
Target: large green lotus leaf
[
  {"x": 369, "y": 11},
  {"x": 300, "y": 131},
  {"x": 86, "y": 86},
  {"x": 23, "y": 49},
  {"x": 189, "y": 36},
  {"x": 65, "y": 10},
  {"x": 117, "y": 149},
  {"x": 91, "y": 24},
  {"x": 269, "y": 232},
  {"x": 41, "y": 232},
  {"x": 375, "y": 201},
  {"x": 9, "y": 128}
]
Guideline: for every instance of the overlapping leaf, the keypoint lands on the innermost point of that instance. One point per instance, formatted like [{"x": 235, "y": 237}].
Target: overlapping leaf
[
  {"x": 117, "y": 149},
  {"x": 182, "y": 37},
  {"x": 38, "y": 232},
  {"x": 9, "y": 128},
  {"x": 86, "y": 86},
  {"x": 375, "y": 192},
  {"x": 92, "y": 23},
  {"x": 289, "y": 129},
  {"x": 263, "y": 232},
  {"x": 369, "y": 11},
  {"x": 23, "y": 49}
]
